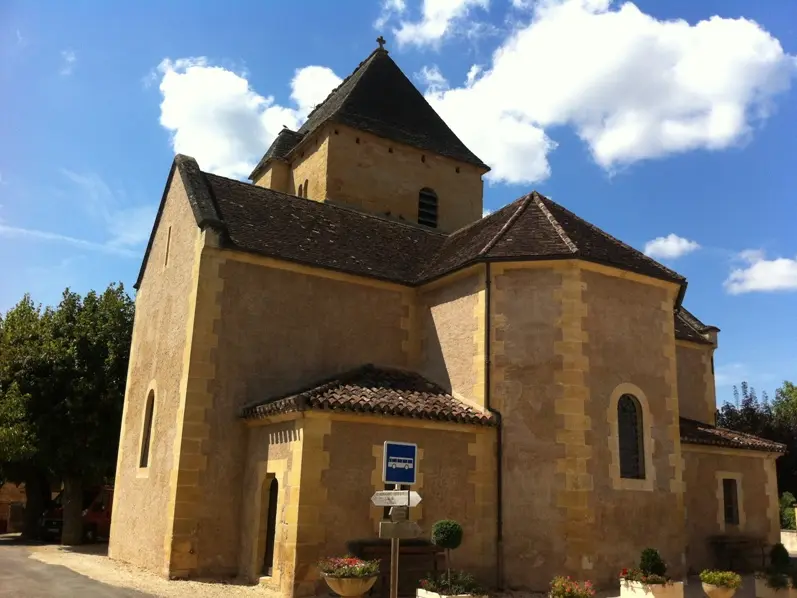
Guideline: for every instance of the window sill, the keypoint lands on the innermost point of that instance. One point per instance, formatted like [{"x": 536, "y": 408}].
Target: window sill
[{"x": 645, "y": 484}]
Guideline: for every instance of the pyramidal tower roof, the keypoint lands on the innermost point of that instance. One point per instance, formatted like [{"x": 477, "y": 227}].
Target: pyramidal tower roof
[{"x": 379, "y": 98}]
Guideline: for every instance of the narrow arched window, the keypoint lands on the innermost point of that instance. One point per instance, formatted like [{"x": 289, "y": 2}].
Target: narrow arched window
[
  {"x": 630, "y": 437},
  {"x": 306, "y": 188},
  {"x": 146, "y": 436},
  {"x": 300, "y": 191},
  {"x": 427, "y": 207}
]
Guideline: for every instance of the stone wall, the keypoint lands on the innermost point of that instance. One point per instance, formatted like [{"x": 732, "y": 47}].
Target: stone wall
[
  {"x": 164, "y": 305},
  {"x": 310, "y": 166},
  {"x": 705, "y": 467},
  {"x": 450, "y": 313},
  {"x": 384, "y": 177},
  {"x": 566, "y": 509},
  {"x": 270, "y": 328},
  {"x": 696, "y": 396}
]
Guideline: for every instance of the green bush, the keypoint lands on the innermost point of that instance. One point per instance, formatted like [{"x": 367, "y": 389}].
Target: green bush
[
  {"x": 779, "y": 558},
  {"x": 456, "y": 583},
  {"x": 787, "y": 501},
  {"x": 447, "y": 534},
  {"x": 651, "y": 563},
  {"x": 725, "y": 579}
]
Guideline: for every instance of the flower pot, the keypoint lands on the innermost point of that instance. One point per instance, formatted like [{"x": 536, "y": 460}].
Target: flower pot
[
  {"x": 637, "y": 589},
  {"x": 762, "y": 590},
  {"x": 350, "y": 587},
  {"x": 427, "y": 594},
  {"x": 713, "y": 591}
]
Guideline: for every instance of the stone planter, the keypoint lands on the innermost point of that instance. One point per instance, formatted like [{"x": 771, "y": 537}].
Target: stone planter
[
  {"x": 427, "y": 594},
  {"x": 350, "y": 587},
  {"x": 636, "y": 589},
  {"x": 713, "y": 591},
  {"x": 762, "y": 590}
]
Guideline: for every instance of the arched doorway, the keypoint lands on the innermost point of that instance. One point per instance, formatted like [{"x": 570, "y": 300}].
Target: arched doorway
[{"x": 271, "y": 526}]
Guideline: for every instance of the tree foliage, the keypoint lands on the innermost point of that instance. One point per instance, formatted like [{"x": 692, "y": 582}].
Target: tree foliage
[
  {"x": 775, "y": 420},
  {"x": 62, "y": 382}
]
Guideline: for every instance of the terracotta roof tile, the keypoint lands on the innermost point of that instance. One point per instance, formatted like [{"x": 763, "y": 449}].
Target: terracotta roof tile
[
  {"x": 695, "y": 432},
  {"x": 376, "y": 391}
]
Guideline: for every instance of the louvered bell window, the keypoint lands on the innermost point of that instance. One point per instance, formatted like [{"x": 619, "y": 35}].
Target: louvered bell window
[
  {"x": 631, "y": 439},
  {"x": 427, "y": 208}
]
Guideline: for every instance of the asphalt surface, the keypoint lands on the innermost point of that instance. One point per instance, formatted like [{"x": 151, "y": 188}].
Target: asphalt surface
[{"x": 24, "y": 576}]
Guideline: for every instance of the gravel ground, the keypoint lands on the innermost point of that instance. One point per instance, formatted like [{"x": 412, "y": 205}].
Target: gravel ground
[{"x": 92, "y": 562}]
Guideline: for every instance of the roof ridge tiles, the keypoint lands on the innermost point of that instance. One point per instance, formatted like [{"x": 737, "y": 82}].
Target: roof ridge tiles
[
  {"x": 554, "y": 223},
  {"x": 524, "y": 202}
]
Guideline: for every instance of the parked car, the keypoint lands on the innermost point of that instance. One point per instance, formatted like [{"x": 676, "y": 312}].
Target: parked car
[{"x": 96, "y": 515}]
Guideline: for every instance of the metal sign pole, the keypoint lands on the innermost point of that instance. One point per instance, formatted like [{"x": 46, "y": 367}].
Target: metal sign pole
[{"x": 394, "y": 561}]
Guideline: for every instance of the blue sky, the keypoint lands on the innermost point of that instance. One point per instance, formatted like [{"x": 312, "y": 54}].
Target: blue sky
[{"x": 670, "y": 125}]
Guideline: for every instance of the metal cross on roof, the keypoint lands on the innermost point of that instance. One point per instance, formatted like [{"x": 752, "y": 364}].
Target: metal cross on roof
[{"x": 381, "y": 41}]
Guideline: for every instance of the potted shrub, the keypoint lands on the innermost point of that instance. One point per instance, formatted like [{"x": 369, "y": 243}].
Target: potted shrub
[
  {"x": 454, "y": 584},
  {"x": 650, "y": 578},
  {"x": 777, "y": 577},
  {"x": 349, "y": 576},
  {"x": 447, "y": 534},
  {"x": 565, "y": 587},
  {"x": 720, "y": 584}
]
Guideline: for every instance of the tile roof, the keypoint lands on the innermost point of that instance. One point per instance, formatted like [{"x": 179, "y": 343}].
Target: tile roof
[
  {"x": 282, "y": 145},
  {"x": 321, "y": 234},
  {"x": 375, "y": 391},
  {"x": 379, "y": 98},
  {"x": 695, "y": 432},
  {"x": 685, "y": 330}
]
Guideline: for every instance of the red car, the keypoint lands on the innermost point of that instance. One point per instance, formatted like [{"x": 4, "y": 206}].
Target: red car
[{"x": 97, "y": 502}]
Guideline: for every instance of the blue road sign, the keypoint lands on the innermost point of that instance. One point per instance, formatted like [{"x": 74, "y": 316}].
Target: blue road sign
[{"x": 398, "y": 463}]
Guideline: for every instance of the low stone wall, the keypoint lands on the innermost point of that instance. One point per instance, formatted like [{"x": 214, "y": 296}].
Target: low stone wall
[{"x": 789, "y": 540}]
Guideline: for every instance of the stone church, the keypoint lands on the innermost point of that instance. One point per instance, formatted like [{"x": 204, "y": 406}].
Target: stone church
[{"x": 561, "y": 396}]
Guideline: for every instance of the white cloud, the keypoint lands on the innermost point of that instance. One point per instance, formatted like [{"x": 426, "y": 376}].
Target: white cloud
[
  {"x": 389, "y": 9},
  {"x": 761, "y": 274},
  {"x": 125, "y": 226},
  {"x": 633, "y": 87},
  {"x": 69, "y": 58},
  {"x": 40, "y": 235},
  {"x": 432, "y": 79},
  {"x": 730, "y": 374},
  {"x": 670, "y": 247},
  {"x": 215, "y": 116},
  {"x": 438, "y": 20}
]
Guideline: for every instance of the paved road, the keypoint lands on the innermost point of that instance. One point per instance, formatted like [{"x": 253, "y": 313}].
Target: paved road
[{"x": 23, "y": 576}]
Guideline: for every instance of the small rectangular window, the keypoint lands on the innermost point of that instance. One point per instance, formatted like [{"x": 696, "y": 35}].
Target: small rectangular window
[
  {"x": 730, "y": 501},
  {"x": 168, "y": 243}
]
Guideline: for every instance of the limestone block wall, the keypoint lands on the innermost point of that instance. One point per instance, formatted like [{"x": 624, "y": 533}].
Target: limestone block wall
[
  {"x": 456, "y": 480},
  {"x": 630, "y": 347},
  {"x": 267, "y": 328},
  {"x": 696, "y": 391},
  {"x": 276, "y": 177},
  {"x": 384, "y": 177},
  {"x": 310, "y": 166},
  {"x": 757, "y": 491},
  {"x": 566, "y": 336},
  {"x": 273, "y": 451},
  {"x": 451, "y": 319},
  {"x": 140, "y": 529}
]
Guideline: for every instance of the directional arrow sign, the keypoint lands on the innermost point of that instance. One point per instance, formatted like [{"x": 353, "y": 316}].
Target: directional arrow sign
[{"x": 396, "y": 498}]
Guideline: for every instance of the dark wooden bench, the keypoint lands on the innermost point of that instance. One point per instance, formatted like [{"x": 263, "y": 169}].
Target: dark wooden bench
[
  {"x": 737, "y": 552},
  {"x": 417, "y": 558}
]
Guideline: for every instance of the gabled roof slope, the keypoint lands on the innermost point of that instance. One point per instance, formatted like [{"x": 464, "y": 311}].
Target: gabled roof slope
[
  {"x": 282, "y": 226},
  {"x": 685, "y": 330},
  {"x": 282, "y": 145},
  {"x": 376, "y": 391},
  {"x": 378, "y": 98}
]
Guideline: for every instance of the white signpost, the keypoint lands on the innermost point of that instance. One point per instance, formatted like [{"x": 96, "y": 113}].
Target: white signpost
[
  {"x": 399, "y": 466},
  {"x": 396, "y": 498}
]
